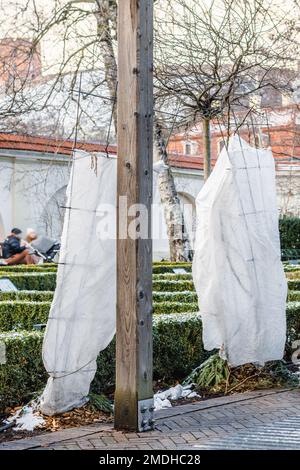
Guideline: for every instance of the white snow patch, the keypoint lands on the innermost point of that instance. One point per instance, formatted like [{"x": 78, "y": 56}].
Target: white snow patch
[
  {"x": 162, "y": 399},
  {"x": 26, "y": 419}
]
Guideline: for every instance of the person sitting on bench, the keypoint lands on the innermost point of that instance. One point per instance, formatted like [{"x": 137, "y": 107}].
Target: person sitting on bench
[{"x": 12, "y": 251}]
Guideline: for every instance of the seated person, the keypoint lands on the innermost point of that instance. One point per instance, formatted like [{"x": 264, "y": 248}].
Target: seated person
[
  {"x": 31, "y": 235},
  {"x": 12, "y": 251}
]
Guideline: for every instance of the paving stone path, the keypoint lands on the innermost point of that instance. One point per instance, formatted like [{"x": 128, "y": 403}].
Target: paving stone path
[{"x": 257, "y": 420}]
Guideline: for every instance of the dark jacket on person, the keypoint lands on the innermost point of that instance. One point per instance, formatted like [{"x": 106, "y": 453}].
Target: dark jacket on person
[{"x": 11, "y": 246}]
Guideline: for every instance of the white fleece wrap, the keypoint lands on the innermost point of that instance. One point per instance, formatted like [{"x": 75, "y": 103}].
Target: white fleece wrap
[
  {"x": 237, "y": 268},
  {"x": 83, "y": 313}
]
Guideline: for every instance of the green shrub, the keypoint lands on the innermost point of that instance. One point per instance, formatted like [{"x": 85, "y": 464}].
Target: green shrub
[
  {"x": 174, "y": 307},
  {"x": 290, "y": 253},
  {"x": 23, "y": 268},
  {"x": 29, "y": 295},
  {"x": 22, "y": 315},
  {"x": 167, "y": 267},
  {"x": 172, "y": 277},
  {"x": 294, "y": 296},
  {"x": 289, "y": 228},
  {"x": 32, "y": 281},
  {"x": 23, "y": 373},
  {"x": 171, "y": 286},
  {"x": 294, "y": 284},
  {"x": 293, "y": 324},
  {"x": 46, "y": 281},
  {"x": 177, "y": 348},
  {"x": 291, "y": 267},
  {"x": 292, "y": 275},
  {"x": 177, "y": 345},
  {"x": 184, "y": 296}
]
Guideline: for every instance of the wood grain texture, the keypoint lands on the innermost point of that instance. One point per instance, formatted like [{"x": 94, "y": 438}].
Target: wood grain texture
[{"x": 134, "y": 256}]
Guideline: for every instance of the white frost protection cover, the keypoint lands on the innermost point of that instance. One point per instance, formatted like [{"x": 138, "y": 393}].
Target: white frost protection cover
[
  {"x": 237, "y": 268},
  {"x": 83, "y": 313}
]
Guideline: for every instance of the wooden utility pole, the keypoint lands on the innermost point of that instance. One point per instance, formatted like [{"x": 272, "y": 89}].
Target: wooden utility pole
[{"x": 134, "y": 393}]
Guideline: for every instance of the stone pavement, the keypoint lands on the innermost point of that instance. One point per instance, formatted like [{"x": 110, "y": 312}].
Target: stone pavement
[{"x": 267, "y": 419}]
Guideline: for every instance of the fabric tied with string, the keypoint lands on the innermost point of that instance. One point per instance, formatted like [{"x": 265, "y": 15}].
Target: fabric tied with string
[
  {"x": 83, "y": 312},
  {"x": 237, "y": 267}
]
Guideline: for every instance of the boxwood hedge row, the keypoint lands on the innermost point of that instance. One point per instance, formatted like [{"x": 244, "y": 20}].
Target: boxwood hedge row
[
  {"x": 294, "y": 284},
  {"x": 177, "y": 344},
  {"x": 32, "y": 281},
  {"x": 158, "y": 297},
  {"x": 161, "y": 282},
  {"x": 29, "y": 268},
  {"x": 294, "y": 295},
  {"x": 29, "y": 295},
  {"x": 40, "y": 296},
  {"x": 177, "y": 349},
  {"x": 23, "y": 315}
]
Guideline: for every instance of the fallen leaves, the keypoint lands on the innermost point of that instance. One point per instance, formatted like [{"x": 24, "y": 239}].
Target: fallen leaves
[{"x": 75, "y": 418}]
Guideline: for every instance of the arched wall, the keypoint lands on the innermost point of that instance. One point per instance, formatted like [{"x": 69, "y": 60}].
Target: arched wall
[
  {"x": 189, "y": 211},
  {"x": 52, "y": 217},
  {"x": 2, "y": 228}
]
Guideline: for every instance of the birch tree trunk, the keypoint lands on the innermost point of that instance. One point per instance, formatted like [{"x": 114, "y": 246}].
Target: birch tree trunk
[
  {"x": 180, "y": 249},
  {"x": 206, "y": 148},
  {"x": 106, "y": 16}
]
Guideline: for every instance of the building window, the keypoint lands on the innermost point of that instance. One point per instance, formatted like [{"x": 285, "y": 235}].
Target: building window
[
  {"x": 191, "y": 148},
  {"x": 188, "y": 148}
]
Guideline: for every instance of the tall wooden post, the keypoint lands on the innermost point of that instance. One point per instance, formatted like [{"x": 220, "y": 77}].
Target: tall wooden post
[{"x": 134, "y": 393}]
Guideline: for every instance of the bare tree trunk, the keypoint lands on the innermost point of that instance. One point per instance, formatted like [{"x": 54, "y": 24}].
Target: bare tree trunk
[
  {"x": 180, "y": 249},
  {"x": 106, "y": 14},
  {"x": 206, "y": 148}
]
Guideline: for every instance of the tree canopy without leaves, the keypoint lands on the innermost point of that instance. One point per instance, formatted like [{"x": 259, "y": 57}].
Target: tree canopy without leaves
[{"x": 213, "y": 55}]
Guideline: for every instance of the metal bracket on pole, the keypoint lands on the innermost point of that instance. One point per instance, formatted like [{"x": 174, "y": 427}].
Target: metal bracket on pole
[{"x": 146, "y": 419}]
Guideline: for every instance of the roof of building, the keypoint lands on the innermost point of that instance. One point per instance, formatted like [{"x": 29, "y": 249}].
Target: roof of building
[
  {"x": 65, "y": 147},
  {"x": 48, "y": 145}
]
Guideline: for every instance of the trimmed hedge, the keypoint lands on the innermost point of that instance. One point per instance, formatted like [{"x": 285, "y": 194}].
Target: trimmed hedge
[
  {"x": 32, "y": 281},
  {"x": 46, "y": 281},
  {"x": 293, "y": 275},
  {"x": 294, "y": 296},
  {"x": 23, "y": 268},
  {"x": 172, "y": 277},
  {"x": 184, "y": 296},
  {"x": 174, "y": 307},
  {"x": 28, "y": 295},
  {"x": 23, "y": 373},
  {"x": 177, "y": 344},
  {"x": 289, "y": 228},
  {"x": 173, "y": 286},
  {"x": 160, "y": 268},
  {"x": 47, "y": 296},
  {"x": 177, "y": 349},
  {"x": 294, "y": 284},
  {"x": 293, "y": 324},
  {"x": 291, "y": 267},
  {"x": 22, "y": 315}
]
